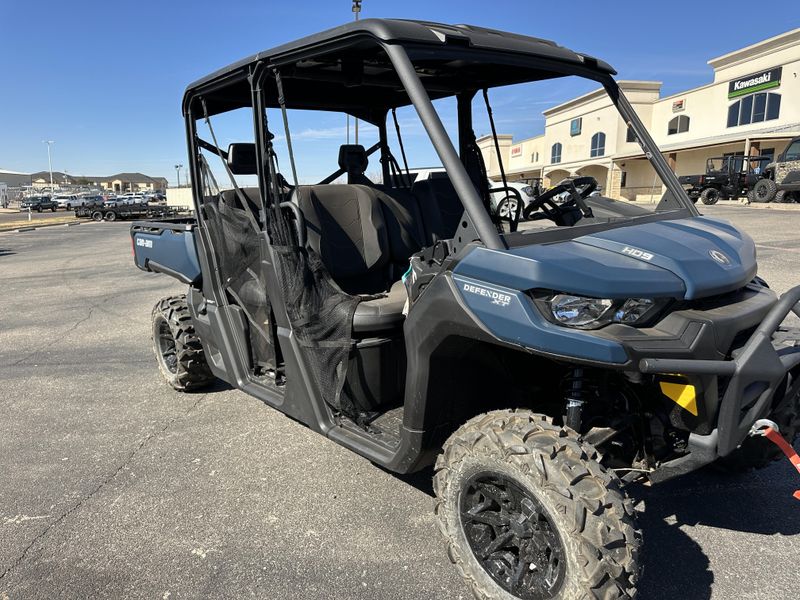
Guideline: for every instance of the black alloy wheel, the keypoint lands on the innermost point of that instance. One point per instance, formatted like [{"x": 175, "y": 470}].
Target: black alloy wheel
[{"x": 512, "y": 537}]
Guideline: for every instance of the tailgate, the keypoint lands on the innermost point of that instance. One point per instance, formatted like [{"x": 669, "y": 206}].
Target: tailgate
[{"x": 167, "y": 247}]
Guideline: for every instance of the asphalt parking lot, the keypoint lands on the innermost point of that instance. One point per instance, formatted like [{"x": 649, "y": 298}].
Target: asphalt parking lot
[{"x": 113, "y": 485}]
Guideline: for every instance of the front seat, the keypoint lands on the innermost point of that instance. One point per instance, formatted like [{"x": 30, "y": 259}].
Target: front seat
[{"x": 347, "y": 229}]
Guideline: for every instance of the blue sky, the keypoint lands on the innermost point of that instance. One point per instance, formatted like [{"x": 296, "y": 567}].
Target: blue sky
[{"x": 105, "y": 79}]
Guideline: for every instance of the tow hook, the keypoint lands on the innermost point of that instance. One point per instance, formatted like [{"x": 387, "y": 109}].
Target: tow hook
[{"x": 771, "y": 431}]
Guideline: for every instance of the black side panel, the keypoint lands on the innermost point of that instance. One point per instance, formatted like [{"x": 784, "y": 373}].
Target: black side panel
[{"x": 436, "y": 317}]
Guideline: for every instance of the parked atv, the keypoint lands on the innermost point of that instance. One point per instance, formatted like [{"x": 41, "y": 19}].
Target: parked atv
[
  {"x": 538, "y": 371},
  {"x": 781, "y": 179},
  {"x": 726, "y": 177}
]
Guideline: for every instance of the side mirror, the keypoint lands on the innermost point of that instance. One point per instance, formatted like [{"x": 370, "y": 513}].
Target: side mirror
[{"x": 242, "y": 159}]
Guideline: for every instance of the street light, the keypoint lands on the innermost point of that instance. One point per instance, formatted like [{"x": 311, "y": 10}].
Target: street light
[
  {"x": 178, "y": 171},
  {"x": 356, "y": 13},
  {"x": 50, "y": 163}
]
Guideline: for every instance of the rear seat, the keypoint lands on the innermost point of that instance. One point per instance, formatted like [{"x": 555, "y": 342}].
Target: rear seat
[{"x": 429, "y": 212}]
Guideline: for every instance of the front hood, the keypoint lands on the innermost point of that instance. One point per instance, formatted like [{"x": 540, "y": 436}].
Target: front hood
[{"x": 686, "y": 258}]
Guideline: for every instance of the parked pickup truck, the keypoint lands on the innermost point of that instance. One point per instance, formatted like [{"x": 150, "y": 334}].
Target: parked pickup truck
[{"x": 38, "y": 204}]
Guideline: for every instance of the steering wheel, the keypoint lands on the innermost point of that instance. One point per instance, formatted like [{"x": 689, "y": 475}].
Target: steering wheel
[{"x": 579, "y": 189}]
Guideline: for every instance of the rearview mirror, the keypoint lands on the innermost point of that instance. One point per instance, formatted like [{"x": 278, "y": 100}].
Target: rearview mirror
[{"x": 242, "y": 158}]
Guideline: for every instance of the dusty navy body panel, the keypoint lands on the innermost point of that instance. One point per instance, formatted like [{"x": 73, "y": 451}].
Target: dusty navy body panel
[
  {"x": 161, "y": 248},
  {"x": 653, "y": 260},
  {"x": 710, "y": 256},
  {"x": 511, "y": 316},
  {"x": 682, "y": 259}
]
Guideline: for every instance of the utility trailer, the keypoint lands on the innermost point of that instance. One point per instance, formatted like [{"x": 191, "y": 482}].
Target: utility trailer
[{"x": 121, "y": 212}]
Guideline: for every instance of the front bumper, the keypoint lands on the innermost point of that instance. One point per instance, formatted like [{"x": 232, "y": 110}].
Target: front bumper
[{"x": 755, "y": 372}]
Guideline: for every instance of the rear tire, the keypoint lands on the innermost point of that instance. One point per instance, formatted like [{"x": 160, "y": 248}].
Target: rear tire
[
  {"x": 179, "y": 353},
  {"x": 97, "y": 216},
  {"x": 569, "y": 531},
  {"x": 709, "y": 196},
  {"x": 764, "y": 190},
  {"x": 784, "y": 197},
  {"x": 111, "y": 216}
]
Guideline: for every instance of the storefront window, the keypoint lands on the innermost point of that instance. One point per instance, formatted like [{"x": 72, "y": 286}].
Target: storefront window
[
  {"x": 754, "y": 109},
  {"x": 773, "y": 106},
  {"x": 598, "y": 145},
  {"x": 679, "y": 124},
  {"x": 555, "y": 153}
]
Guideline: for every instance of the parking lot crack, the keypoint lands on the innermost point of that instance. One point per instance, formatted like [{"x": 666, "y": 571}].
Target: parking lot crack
[
  {"x": 72, "y": 328},
  {"x": 98, "y": 488}
]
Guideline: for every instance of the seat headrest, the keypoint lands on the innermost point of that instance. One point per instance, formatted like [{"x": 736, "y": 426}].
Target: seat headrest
[{"x": 353, "y": 158}]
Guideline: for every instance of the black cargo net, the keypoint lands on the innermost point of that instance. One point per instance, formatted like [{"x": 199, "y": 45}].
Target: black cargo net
[
  {"x": 238, "y": 256},
  {"x": 321, "y": 314}
]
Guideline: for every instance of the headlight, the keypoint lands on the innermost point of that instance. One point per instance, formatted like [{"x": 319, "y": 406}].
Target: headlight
[{"x": 581, "y": 312}]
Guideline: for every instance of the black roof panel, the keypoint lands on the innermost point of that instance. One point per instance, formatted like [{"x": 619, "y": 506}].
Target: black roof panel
[{"x": 416, "y": 32}]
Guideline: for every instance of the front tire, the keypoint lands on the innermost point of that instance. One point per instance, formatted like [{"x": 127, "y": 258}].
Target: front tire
[
  {"x": 764, "y": 190},
  {"x": 709, "y": 196},
  {"x": 179, "y": 353},
  {"x": 529, "y": 512}
]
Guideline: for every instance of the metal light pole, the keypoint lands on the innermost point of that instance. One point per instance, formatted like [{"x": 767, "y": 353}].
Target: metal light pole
[
  {"x": 50, "y": 163},
  {"x": 178, "y": 171},
  {"x": 356, "y": 13}
]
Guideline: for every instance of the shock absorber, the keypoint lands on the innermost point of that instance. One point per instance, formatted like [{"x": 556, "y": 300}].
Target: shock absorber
[{"x": 574, "y": 399}]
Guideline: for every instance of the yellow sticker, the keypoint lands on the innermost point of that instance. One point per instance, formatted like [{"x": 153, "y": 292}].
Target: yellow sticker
[{"x": 681, "y": 394}]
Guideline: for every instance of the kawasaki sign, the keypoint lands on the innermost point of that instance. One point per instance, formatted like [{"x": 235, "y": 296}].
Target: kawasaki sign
[{"x": 755, "y": 83}]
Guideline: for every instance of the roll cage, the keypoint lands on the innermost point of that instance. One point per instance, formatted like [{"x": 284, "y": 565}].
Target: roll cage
[{"x": 370, "y": 67}]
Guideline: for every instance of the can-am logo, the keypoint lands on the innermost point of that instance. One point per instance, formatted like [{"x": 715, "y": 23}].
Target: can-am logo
[
  {"x": 719, "y": 257},
  {"x": 755, "y": 82},
  {"x": 144, "y": 243},
  {"x": 636, "y": 253},
  {"x": 497, "y": 298}
]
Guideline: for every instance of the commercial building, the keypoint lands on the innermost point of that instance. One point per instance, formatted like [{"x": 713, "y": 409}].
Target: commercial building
[
  {"x": 121, "y": 182},
  {"x": 751, "y": 107}
]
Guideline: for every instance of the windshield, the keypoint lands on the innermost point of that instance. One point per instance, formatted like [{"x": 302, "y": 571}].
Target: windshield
[{"x": 566, "y": 140}]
